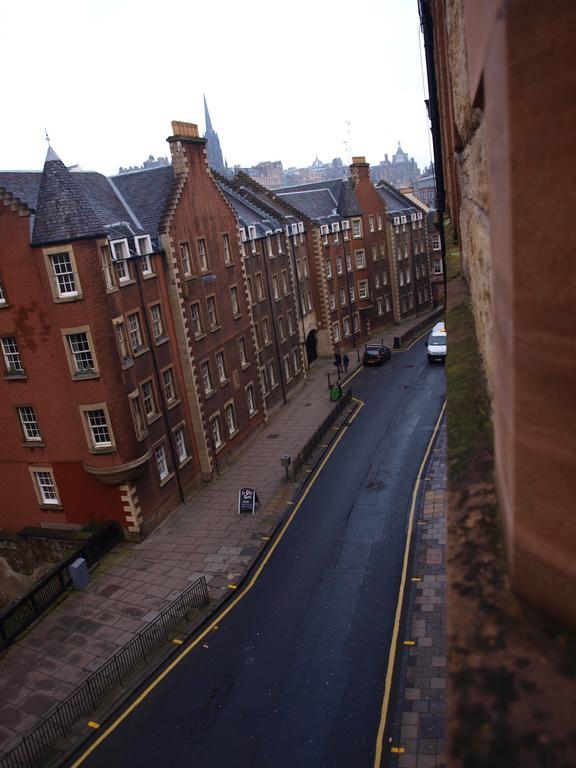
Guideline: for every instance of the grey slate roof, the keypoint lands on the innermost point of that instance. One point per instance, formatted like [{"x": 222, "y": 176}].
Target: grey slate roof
[
  {"x": 71, "y": 205},
  {"x": 395, "y": 200},
  {"x": 323, "y": 199},
  {"x": 63, "y": 212},
  {"x": 147, "y": 192},
  {"x": 23, "y": 185},
  {"x": 247, "y": 213}
]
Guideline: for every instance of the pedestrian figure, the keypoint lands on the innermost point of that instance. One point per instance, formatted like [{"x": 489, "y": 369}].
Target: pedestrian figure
[
  {"x": 338, "y": 361},
  {"x": 346, "y": 362}
]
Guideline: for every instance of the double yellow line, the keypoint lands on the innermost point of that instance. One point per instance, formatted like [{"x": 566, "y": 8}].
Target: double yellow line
[{"x": 229, "y": 606}]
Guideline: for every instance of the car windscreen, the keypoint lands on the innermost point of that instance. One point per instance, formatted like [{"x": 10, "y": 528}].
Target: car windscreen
[{"x": 437, "y": 340}]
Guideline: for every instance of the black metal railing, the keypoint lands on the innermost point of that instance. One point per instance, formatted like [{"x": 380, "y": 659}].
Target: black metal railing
[
  {"x": 416, "y": 330},
  {"x": 19, "y": 615},
  {"x": 314, "y": 441},
  {"x": 31, "y": 751}
]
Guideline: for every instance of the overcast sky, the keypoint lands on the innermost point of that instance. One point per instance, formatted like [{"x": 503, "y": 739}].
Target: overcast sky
[{"x": 107, "y": 77}]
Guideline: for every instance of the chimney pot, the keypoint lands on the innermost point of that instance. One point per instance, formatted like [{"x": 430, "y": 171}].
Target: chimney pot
[{"x": 190, "y": 130}]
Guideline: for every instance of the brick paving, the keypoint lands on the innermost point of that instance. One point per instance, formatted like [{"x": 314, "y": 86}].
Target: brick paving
[
  {"x": 417, "y": 730},
  {"x": 128, "y": 588}
]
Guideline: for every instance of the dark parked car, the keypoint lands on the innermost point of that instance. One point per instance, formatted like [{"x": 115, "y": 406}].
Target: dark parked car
[{"x": 374, "y": 354}]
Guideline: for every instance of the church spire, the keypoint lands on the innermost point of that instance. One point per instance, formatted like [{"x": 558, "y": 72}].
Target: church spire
[
  {"x": 215, "y": 157},
  {"x": 207, "y": 120}
]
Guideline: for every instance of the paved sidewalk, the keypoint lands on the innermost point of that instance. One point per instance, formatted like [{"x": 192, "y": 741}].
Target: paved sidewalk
[
  {"x": 418, "y": 728},
  {"x": 204, "y": 536}
]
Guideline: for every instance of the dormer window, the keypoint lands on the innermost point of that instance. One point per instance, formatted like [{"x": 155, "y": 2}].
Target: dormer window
[
  {"x": 144, "y": 247},
  {"x": 120, "y": 251}
]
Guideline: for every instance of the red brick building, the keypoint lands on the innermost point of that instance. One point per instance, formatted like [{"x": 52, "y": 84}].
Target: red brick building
[
  {"x": 127, "y": 340},
  {"x": 94, "y": 418}
]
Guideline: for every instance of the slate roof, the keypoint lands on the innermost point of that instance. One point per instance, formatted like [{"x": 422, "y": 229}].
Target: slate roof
[
  {"x": 147, "y": 192},
  {"x": 72, "y": 205},
  {"x": 63, "y": 212},
  {"x": 323, "y": 199},
  {"x": 263, "y": 198},
  {"x": 395, "y": 201},
  {"x": 247, "y": 213},
  {"x": 23, "y": 185}
]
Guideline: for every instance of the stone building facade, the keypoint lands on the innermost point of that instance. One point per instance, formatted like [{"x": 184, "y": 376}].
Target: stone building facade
[{"x": 507, "y": 88}]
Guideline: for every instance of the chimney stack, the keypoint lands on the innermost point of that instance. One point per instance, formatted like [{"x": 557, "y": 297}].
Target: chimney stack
[{"x": 360, "y": 170}]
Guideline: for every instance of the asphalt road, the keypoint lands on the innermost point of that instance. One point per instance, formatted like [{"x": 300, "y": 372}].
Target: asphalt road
[{"x": 293, "y": 677}]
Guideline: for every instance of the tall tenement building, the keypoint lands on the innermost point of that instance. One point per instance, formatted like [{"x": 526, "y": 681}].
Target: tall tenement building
[{"x": 151, "y": 321}]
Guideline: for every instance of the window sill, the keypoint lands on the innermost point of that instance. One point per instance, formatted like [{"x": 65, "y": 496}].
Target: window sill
[
  {"x": 104, "y": 449},
  {"x": 173, "y": 403},
  {"x": 223, "y": 382},
  {"x": 199, "y": 336},
  {"x": 67, "y": 299},
  {"x": 122, "y": 283},
  {"x": 140, "y": 351},
  {"x": 229, "y": 264},
  {"x": 185, "y": 461},
  {"x": 243, "y": 366},
  {"x": 237, "y": 316},
  {"x": 52, "y": 507},
  {"x": 232, "y": 435},
  {"x": 215, "y": 328},
  {"x": 16, "y": 376},
  {"x": 161, "y": 340},
  {"x": 251, "y": 415},
  {"x": 166, "y": 479},
  {"x": 148, "y": 275},
  {"x": 152, "y": 418},
  {"x": 209, "y": 393},
  {"x": 85, "y": 376},
  {"x": 128, "y": 362},
  {"x": 33, "y": 444},
  {"x": 218, "y": 448}
]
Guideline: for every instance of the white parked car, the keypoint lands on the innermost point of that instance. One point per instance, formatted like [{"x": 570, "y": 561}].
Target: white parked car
[{"x": 436, "y": 344}]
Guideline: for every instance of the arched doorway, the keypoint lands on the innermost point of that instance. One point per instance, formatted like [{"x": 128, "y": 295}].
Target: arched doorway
[{"x": 311, "y": 347}]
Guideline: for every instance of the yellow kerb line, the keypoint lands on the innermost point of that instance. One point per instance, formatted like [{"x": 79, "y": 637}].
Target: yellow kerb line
[
  {"x": 225, "y": 611},
  {"x": 394, "y": 641}
]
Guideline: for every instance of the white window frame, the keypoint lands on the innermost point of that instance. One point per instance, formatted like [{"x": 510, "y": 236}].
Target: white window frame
[
  {"x": 336, "y": 331},
  {"x": 157, "y": 322},
  {"x": 29, "y": 424},
  {"x": 363, "y": 292},
  {"x": 40, "y": 474},
  {"x": 212, "y": 310},
  {"x": 185, "y": 257},
  {"x": 121, "y": 262},
  {"x": 243, "y": 352},
  {"x": 149, "y": 404},
  {"x": 202, "y": 249},
  {"x": 356, "y": 228},
  {"x": 235, "y": 301},
  {"x": 135, "y": 333},
  {"x": 196, "y": 319},
  {"x": 360, "y": 258},
  {"x": 226, "y": 252},
  {"x": 108, "y": 269},
  {"x": 144, "y": 248},
  {"x": 216, "y": 431},
  {"x": 231, "y": 423},
  {"x": 93, "y": 423},
  {"x": 250, "y": 399},
  {"x": 221, "y": 367},
  {"x": 169, "y": 386},
  {"x": 161, "y": 463},
  {"x": 180, "y": 444},
  {"x": 12, "y": 357},
  {"x": 206, "y": 376}
]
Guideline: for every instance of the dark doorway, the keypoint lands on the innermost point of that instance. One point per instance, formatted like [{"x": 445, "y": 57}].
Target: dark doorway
[{"x": 311, "y": 347}]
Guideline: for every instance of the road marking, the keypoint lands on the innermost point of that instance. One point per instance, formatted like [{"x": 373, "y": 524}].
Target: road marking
[
  {"x": 361, "y": 405},
  {"x": 394, "y": 641},
  {"x": 92, "y": 724},
  {"x": 409, "y": 642},
  {"x": 397, "y": 750},
  {"x": 176, "y": 641},
  {"x": 416, "y": 578},
  {"x": 224, "y": 611}
]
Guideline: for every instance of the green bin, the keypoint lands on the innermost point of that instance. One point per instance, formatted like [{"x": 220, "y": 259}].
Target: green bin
[{"x": 335, "y": 392}]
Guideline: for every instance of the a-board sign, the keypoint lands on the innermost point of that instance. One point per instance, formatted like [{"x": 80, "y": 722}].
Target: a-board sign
[{"x": 247, "y": 500}]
